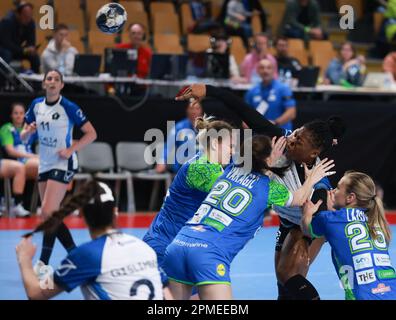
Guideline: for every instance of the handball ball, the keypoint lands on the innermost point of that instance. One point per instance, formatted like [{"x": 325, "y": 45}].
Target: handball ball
[{"x": 111, "y": 18}]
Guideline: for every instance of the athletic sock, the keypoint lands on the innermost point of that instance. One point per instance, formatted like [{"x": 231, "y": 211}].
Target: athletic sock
[
  {"x": 283, "y": 293},
  {"x": 301, "y": 288},
  {"x": 18, "y": 198},
  {"x": 48, "y": 245},
  {"x": 65, "y": 237}
]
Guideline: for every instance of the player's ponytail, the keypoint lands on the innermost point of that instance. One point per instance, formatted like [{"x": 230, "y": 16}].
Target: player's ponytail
[
  {"x": 364, "y": 188},
  {"x": 81, "y": 199}
]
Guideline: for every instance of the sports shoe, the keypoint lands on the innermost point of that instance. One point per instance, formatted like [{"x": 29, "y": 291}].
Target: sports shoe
[
  {"x": 41, "y": 270},
  {"x": 19, "y": 211}
]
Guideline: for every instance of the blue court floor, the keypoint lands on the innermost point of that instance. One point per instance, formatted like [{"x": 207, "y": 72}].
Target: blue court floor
[{"x": 252, "y": 272}]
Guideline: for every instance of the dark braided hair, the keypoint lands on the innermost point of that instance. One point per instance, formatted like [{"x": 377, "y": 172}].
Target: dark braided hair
[
  {"x": 97, "y": 213},
  {"x": 324, "y": 132}
]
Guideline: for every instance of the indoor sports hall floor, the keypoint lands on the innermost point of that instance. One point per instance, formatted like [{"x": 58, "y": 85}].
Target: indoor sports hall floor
[{"x": 252, "y": 271}]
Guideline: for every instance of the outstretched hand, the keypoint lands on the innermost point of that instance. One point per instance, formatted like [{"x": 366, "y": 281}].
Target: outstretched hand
[
  {"x": 309, "y": 208},
  {"x": 320, "y": 170},
  {"x": 195, "y": 93}
]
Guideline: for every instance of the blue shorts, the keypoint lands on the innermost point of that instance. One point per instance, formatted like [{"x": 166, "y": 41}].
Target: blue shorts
[
  {"x": 57, "y": 175},
  {"x": 195, "y": 262}
]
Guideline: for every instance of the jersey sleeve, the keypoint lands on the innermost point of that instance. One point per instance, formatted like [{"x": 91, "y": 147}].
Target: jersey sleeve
[
  {"x": 30, "y": 116},
  {"x": 82, "y": 265},
  {"x": 75, "y": 114},
  {"x": 287, "y": 98},
  {"x": 202, "y": 176},
  {"x": 6, "y": 137},
  {"x": 317, "y": 228},
  {"x": 279, "y": 195}
]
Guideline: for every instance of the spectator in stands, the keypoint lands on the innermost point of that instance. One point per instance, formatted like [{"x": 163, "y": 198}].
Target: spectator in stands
[
  {"x": 15, "y": 148},
  {"x": 259, "y": 52},
  {"x": 203, "y": 22},
  {"x": 285, "y": 61},
  {"x": 221, "y": 44},
  {"x": 348, "y": 68},
  {"x": 236, "y": 21},
  {"x": 59, "y": 53},
  {"x": 302, "y": 20},
  {"x": 389, "y": 64},
  {"x": 18, "y": 36},
  {"x": 182, "y": 133},
  {"x": 387, "y": 32},
  {"x": 137, "y": 35},
  {"x": 256, "y": 7},
  {"x": 272, "y": 98}
]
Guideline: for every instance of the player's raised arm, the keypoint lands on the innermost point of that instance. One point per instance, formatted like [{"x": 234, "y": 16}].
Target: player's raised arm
[{"x": 251, "y": 117}]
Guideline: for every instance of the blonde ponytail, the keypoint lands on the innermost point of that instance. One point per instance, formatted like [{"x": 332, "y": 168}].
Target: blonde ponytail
[{"x": 377, "y": 219}]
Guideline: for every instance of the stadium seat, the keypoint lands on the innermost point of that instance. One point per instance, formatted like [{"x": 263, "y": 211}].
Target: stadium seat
[
  {"x": 70, "y": 13},
  {"x": 5, "y": 6},
  {"x": 42, "y": 38},
  {"x": 163, "y": 7},
  {"x": 297, "y": 50},
  {"x": 103, "y": 168},
  {"x": 238, "y": 50},
  {"x": 131, "y": 158},
  {"x": 98, "y": 42},
  {"x": 186, "y": 18},
  {"x": 36, "y": 9},
  {"x": 216, "y": 6},
  {"x": 165, "y": 23},
  {"x": 322, "y": 60},
  {"x": 378, "y": 18},
  {"x": 320, "y": 46},
  {"x": 167, "y": 43},
  {"x": 75, "y": 39},
  {"x": 132, "y": 6},
  {"x": 256, "y": 24},
  {"x": 275, "y": 11},
  {"x": 197, "y": 42}
]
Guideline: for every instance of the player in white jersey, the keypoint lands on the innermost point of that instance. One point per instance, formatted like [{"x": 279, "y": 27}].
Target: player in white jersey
[
  {"x": 53, "y": 117},
  {"x": 113, "y": 266}
]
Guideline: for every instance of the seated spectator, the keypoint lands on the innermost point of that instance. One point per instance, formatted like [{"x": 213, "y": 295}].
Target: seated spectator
[
  {"x": 389, "y": 64},
  {"x": 387, "y": 32},
  {"x": 256, "y": 7},
  {"x": 347, "y": 68},
  {"x": 272, "y": 98},
  {"x": 236, "y": 21},
  {"x": 182, "y": 134},
  {"x": 59, "y": 53},
  {"x": 221, "y": 44},
  {"x": 285, "y": 61},
  {"x": 21, "y": 163},
  {"x": 137, "y": 35},
  {"x": 302, "y": 20},
  {"x": 259, "y": 52},
  {"x": 18, "y": 36},
  {"x": 203, "y": 22}
]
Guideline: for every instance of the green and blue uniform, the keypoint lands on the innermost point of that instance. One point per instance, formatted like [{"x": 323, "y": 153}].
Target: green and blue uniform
[
  {"x": 227, "y": 219},
  {"x": 189, "y": 188},
  {"x": 10, "y": 135},
  {"x": 362, "y": 263}
]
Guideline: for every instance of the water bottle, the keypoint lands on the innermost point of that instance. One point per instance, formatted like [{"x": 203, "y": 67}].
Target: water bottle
[{"x": 288, "y": 78}]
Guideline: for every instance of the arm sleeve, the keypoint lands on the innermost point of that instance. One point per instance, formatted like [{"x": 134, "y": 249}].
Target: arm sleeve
[
  {"x": 30, "y": 116},
  {"x": 78, "y": 268},
  {"x": 76, "y": 115},
  {"x": 6, "y": 137},
  {"x": 48, "y": 61},
  {"x": 202, "y": 176},
  {"x": 279, "y": 195},
  {"x": 69, "y": 63},
  {"x": 250, "y": 116},
  {"x": 317, "y": 227}
]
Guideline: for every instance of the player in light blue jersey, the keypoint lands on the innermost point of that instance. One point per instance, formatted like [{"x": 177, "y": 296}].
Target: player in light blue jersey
[
  {"x": 191, "y": 185},
  {"x": 54, "y": 117},
  {"x": 358, "y": 233},
  {"x": 113, "y": 266},
  {"x": 231, "y": 214}
]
